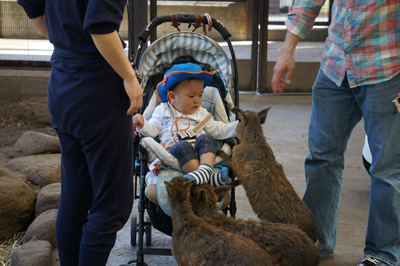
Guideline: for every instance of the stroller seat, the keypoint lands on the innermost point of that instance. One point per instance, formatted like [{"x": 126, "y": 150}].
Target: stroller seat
[
  {"x": 220, "y": 99},
  {"x": 213, "y": 103}
]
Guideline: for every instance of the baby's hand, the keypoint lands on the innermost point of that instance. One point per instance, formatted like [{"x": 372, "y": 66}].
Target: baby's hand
[{"x": 138, "y": 121}]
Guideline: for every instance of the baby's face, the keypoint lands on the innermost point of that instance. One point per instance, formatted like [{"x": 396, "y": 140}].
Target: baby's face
[{"x": 188, "y": 95}]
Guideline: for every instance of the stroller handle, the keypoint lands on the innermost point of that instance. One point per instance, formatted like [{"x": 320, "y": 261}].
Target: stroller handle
[{"x": 188, "y": 18}]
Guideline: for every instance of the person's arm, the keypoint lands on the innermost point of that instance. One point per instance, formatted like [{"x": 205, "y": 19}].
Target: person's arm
[
  {"x": 154, "y": 126},
  {"x": 285, "y": 64},
  {"x": 218, "y": 129},
  {"x": 109, "y": 45},
  {"x": 40, "y": 23},
  {"x": 299, "y": 23}
]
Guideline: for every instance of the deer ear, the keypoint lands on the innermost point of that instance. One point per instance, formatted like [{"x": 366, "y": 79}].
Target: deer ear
[
  {"x": 242, "y": 115},
  {"x": 221, "y": 191},
  {"x": 262, "y": 115},
  {"x": 189, "y": 184},
  {"x": 168, "y": 186},
  {"x": 202, "y": 195}
]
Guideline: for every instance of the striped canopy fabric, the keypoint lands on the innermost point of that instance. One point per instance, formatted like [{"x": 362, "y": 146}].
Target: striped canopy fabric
[{"x": 160, "y": 55}]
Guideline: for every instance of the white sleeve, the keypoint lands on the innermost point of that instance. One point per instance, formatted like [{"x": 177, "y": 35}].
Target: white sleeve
[
  {"x": 153, "y": 127},
  {"x": 220, "y": 130}
]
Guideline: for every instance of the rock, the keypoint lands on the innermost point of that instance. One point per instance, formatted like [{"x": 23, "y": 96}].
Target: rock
[
  {"x": 43, "y": 228},
  {"x": 33, "y": 253},
  {"x": 55, "y": 258},
  {"x": 41, "y": 170},
  {"x": 33, "y": 143},
  {"x": 6, "y": 171},
  {"x": 17, "y": 204},
  {"x": 48, "y": 198}
]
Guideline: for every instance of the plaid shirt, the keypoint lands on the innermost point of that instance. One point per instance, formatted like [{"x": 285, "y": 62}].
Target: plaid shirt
[{"x": 363, "y": 41}]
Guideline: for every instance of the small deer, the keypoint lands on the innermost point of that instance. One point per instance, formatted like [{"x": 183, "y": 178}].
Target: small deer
[
  {"x": 285, "y": 243},
  {"x": 196, "y": 242},
  {"x": 270, "y": 193}
]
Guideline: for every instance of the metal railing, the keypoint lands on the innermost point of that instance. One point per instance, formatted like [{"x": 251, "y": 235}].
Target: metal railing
[{"x": 22, "y": 44}]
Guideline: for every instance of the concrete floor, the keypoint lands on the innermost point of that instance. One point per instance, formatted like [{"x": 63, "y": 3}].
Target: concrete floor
[{"x": 286, "y": 130}]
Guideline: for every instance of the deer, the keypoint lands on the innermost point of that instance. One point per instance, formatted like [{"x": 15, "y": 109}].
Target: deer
[
  {"x": 285, "y": 243},
  {"x": 196, "y": 242},
  {"x": 270, "y": 193}
]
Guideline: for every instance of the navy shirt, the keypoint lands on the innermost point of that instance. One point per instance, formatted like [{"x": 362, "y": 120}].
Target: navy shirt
[{"x": 70, "y": 22}]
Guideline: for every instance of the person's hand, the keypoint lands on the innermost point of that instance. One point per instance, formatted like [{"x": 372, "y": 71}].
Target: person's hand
[
  {"x": 109, "y": 45},
  {"x": 138, "y": 121},
  {"x": 135, "y": 94},
  {"x": 284, "y": 66}
]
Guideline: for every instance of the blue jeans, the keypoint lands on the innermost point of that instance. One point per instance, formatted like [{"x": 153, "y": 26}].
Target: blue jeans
[
  {"x": 335, "y": 113},
  {"x": 185, "y": 152}
]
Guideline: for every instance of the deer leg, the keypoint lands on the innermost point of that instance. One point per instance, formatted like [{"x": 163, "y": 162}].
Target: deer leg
[{"x": 225, "y": 157}]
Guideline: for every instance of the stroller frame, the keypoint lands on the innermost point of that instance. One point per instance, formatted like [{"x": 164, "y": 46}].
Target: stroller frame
[{"x": 143, "y": 227}]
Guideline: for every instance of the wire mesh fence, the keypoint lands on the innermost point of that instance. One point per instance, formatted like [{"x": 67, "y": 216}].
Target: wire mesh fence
[{"x": 21, "y": 41}]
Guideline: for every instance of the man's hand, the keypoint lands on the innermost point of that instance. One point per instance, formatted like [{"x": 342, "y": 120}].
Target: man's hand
[{"x": 285, "y": 64}]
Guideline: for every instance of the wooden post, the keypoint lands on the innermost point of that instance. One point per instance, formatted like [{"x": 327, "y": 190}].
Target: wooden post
[
  {"x": 263, "y": 48},
  {"x": 250, "y": 5},
  {"x": 254, "y": 46},
  {"x": 153, "y": 14},
  {"x": 140, "y": 21}
]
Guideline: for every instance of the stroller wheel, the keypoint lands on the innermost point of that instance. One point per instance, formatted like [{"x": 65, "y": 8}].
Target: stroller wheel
[
  {"x": 148, "y": 231},
  {"x": 133, "y": 230}
]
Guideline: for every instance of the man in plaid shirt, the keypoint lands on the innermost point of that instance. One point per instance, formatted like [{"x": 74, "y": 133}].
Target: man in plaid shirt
[{"x": 358, "y": 78}]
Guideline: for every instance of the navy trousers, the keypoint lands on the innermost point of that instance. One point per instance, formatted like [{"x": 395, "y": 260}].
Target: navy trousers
[{"x": 87, "y": 103}]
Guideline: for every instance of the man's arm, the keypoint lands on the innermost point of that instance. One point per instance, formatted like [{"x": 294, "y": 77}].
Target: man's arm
[
  {"x": 299, "y": 23},
  {"x": 110, "y": 47},
  {"x": 285, "y": 63}
]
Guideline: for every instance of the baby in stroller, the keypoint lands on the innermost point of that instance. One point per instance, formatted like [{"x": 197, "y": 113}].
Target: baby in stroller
[{"x": 180, "y": 111}]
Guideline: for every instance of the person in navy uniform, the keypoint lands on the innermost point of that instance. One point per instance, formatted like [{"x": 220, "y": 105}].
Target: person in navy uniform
[{"x": 92, "y": 93}]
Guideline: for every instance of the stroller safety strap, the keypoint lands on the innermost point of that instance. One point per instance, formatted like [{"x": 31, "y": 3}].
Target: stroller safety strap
[{"x": 190, "y": 134}]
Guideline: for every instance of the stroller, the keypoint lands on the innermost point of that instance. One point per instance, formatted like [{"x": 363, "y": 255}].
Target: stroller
[{"x": 220, "y": 98}]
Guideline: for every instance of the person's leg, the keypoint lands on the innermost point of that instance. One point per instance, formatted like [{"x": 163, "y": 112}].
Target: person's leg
[
  {"x": 187, "y": 156},
  {"x": 76, "y": 184},
  {"x": 205, "y": 146},
  {"x": 189, "y": 161},
  {"x": 109, "y": 152},
  {"x": 151, "y": 193},
  {"x": 383, "y": 130},
  {"x": 75, "y": 200},
  {"x": 88, "y": 103},
  {"x": 334, "y": 114},
  {"x": 195, "y": 168}
]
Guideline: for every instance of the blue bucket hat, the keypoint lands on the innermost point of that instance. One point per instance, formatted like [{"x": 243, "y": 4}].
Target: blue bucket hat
[{"x": 178, "y": 73}]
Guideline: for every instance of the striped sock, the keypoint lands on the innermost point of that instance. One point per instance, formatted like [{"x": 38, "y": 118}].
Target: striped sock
[
  {"x": 219, "y": 178},
  {"x": 201, "y": 175}
]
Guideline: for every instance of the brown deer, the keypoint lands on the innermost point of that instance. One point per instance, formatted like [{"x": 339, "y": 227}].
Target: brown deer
[
  {"x": 270, "y": 193},
  {"x": 196, "y": 242},
  {"x": 286, "y": 243}
]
